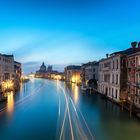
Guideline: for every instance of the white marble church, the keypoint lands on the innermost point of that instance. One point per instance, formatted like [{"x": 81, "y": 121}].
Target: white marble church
[{"x": 43, "y": 71}]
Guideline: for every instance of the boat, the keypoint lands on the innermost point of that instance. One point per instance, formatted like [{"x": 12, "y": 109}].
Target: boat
[{"x": 84, "y": 88}]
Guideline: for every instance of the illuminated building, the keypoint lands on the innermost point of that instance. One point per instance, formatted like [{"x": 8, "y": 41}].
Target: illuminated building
[
  {"x": 89, "y": 74},
  {"x": 46, "y": 72},
  {"x": 6, "y": 71},
  {"x": 10, "y": 73},
  {"x": 73, "y": 74}
]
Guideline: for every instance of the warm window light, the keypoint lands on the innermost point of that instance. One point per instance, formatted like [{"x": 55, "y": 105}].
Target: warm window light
[
  {"x": 75, "y": 78},
  {"x": 58, "y": 77},
  {"x": 7, "y": 85}
]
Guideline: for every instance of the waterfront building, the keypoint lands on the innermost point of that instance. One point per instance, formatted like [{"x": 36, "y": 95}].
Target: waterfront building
[
  {"x": 6, "y": 71},
  {"x": 58, "y": 76},
  {"x": 113, "y": 76},
  {"x": 46, "y": 72},
  {"x": 17, "y": 76},
  {"x": 53, "y": 74},
  {"x": 6, "y": 67},
  {"x": 133, "y": 75},
  {"x": 10, "y": 74},
  {"x": 73, "y": 74},
  {"x": 89, "y": 74}
]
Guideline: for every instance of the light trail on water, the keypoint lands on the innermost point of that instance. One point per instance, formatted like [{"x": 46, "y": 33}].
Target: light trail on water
[{"x": 77, "y": 120}]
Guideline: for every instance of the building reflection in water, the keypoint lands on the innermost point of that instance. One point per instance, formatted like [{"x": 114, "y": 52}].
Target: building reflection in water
[
  {"x": 75, "y": 90},
  {"x": 10, "y": 102}
]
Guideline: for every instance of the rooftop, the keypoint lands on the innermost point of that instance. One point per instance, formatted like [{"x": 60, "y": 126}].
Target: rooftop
[
  {"x": 93, "y": 63},
  {"x": 5, "y": 55},
  {"x": 73, "y": 67}
]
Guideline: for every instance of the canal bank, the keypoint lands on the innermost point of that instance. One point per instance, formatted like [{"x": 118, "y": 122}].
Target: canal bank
[
  {"x": 133, "y": 110},
  {"x": 38, "y": 111},
  {"x": 124, "y": 105}
]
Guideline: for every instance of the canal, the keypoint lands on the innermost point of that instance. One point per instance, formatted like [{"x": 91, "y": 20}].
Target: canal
[{"x": 49, "y": 110}]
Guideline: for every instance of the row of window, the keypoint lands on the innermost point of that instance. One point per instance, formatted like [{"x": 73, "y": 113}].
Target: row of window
[
  {"x": 6, "y": 68},
  {"x": 134, "y": 61},
  {"x": 6, "y": 60},
  {"x": 107, "y": 78},
  {"x": 115, "y": 65},
  {"x": 113, "y": 93},
  {"x": 135, "y": 78},
  {"x": 91, "y": 70},
  {"x": 110, "y": 92}
]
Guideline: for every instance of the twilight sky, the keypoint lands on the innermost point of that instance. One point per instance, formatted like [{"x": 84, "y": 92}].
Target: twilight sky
[{"x": 61, "y": 32}]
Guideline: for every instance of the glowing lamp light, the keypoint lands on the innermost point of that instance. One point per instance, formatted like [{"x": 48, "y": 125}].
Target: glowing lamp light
[{"x": 7, "y": 85}]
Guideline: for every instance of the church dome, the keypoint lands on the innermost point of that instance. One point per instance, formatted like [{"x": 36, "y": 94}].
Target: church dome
[{"x": 43, "y": 67}]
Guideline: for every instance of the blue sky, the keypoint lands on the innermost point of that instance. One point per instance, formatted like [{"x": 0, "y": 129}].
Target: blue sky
[{"x": 62, "y": 32}]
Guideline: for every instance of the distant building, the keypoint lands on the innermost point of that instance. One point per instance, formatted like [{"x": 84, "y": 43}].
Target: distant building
[
  {"x": 58, "y": 76},
  {"x": 89, "y": 74},
  {"x": 42, "y": 71},
  {"x": 45, "y": 72},
  {"x": 72, "y": 74},
  {"x": 49, "y": 69}
]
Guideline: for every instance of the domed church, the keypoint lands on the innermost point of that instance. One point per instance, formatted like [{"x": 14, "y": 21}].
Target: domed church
[
  {"x": 43, "y": 71},
  {"x": 42, "y": 68}
]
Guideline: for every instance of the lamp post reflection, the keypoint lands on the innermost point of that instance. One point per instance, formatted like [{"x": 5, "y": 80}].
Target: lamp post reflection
[
  {"x": 10, "y": 102},
  {"x": 75, "y": 90}
]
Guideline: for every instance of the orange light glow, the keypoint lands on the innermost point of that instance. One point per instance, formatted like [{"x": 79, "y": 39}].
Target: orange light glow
[
  {"x": 7, "y": 85},
  {"x": 76, "y": 78},
  {"x": 10, "y": 102},
  {"x": 56, "y": 76},
  {"x": 75, "y": 90}
]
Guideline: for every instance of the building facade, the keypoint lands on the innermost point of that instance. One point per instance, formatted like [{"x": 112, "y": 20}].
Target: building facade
[
  {"x": 10, "y": 74},
  {"x": 6, "y": 70},
  {"x": 46, "y": 72},
  {"x": 133, "y": 75},
  {"x": 119, "y": 75},
  {"x": 17, "y": 75},
  {"x": 113, "y": 77},
  {"x": 73, "y": 74},
  {"x": 89, "y": 74}
]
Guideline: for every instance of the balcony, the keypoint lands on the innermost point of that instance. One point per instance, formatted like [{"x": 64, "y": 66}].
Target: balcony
[
  {"x": 137, "y": 85},
  {"x": 106, "y": 69},
  {"x": 138, "y": 68}
]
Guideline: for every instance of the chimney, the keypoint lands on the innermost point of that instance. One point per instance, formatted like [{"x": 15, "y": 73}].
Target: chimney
[
  {"x": 134, "y": 44},
  {"x": 107, "y": 55}
]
